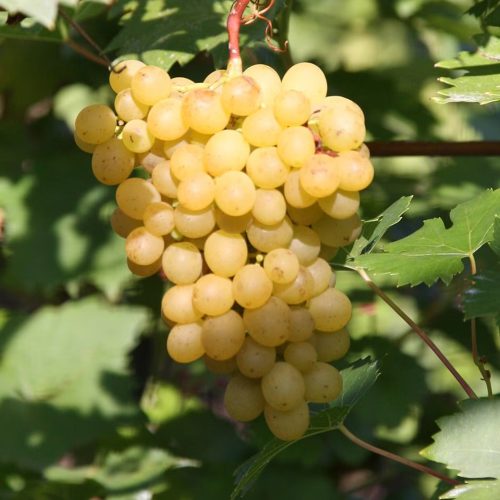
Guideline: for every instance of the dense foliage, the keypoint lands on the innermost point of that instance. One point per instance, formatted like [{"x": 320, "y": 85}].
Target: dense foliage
[{"x": 90, "y": 405}]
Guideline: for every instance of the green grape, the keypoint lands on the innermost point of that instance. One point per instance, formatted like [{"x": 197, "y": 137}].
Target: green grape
[
  {"x": 283, "y": 387},
  {"x": 268, "y": 324},
  {"x": 331, "y": 310},
  {"x": 112, "y": 162},
  {"x": 184, "y": 342},
  {"x": 150, "y": 84},
  {"x": 255, "y": 360},
  {"x": 225, "y": 253},
  {"x": 134, "y": 195},
  {"x": 243, "y": 398},
  {"x": 95, "y": 124},
  {"x": 323, "y": 383},
  {"x": 251, "y": 286},
  {"x": 182, "y": 263},
  {"x": 223, "y": 335},
  {"x": 137, "y": 137}
]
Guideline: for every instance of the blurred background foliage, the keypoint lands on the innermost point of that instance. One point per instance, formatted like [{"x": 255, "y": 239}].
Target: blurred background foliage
[{"x": 90, "y": 406}]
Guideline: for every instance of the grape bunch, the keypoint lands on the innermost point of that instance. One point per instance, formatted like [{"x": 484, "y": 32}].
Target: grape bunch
[{"x": 239, "y": 190}]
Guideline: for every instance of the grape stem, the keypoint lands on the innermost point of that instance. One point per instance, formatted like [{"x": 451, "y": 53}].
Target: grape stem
[
  {"x": 234, "y": 20},
  {"x": 392, "y": 456},
  {"x": 421, "y": 333}
]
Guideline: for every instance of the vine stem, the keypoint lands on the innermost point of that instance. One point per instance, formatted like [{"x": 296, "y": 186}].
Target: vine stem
[
  {"x": 485, "y": 373},
  {"x": 392, "y": 456},
  {"x": 234, "y": 18},
  {"x": 421, "y": 333}
]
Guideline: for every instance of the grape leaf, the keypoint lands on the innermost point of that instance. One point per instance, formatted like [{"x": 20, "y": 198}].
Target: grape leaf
[
  {"x": 165, "y": 32},
  {"x": 28, "y": 29},
  {"x": 483, "y": 297},
  {"x": 495, "y": 242},
  {"x": 469, "y": 441},
  {"x": 435, "y": 252},
  {"x": 358, "y": 378},
  {"x": 63, "y": 378},
  {"x": 375, "y": 229},
  {"x": 481, "y": 83},
  {"x": 42, "y": 11},
  {"x": 474, "y": 490}
]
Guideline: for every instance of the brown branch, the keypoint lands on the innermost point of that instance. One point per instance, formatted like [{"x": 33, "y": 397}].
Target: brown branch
[
  {"x": 234, "y": 20},
  {"x": 421, "y": 333},
  {"x": 85, "y": 53},
  {"x": 434, "y": 148},
  {"x": 392, "y": 456}
]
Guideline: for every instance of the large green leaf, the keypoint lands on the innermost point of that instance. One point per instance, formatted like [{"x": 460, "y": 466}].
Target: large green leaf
[
  {"x": 434, "y": 251},
  {"x": 374, "y": 230},
  {"x": 469, "y": 441},
  {"x": 42, "y": 11},
  {"x": 483, "y": 297},
  {"x": 481, "y": 82},
  {"x": 63, "y": 378},
  {"x": 358, "y": 378},
  {"x": 165, "y": 32},
  {"x": 474, "y": 490}
]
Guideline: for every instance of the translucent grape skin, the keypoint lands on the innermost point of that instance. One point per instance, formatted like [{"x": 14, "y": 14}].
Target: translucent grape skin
[
  {"x": 95, "y": 124},
  {"x": 143, "y": 247},
  {"x": 251, "y": 286},
  {"x": 182, "y": 263},
  {"x": 121, "y": 76},
  {"x": 112, "y": 162},
  {"x": 223, "y": 335},
  {"x": 184, "y": 343},
  {"x": 225, "y": 253},
  {"x": 323, "y": 383}
]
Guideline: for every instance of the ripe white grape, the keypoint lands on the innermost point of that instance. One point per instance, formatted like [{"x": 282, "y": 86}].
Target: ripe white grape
[
  {"x": 298, "y": 291},
  {"x": 226, "y": 150},
  {"x": 84, "y": 146},
  {"x": 323, "y": 383},
  {"x": 332, "y": 346},
  {"x": 184, "y": 342},
  {"x": 296, "y": 196},
  {"x": 149, "y": 159},
  {"x": 232, "y": 224},
  {"x": 144, "y": 271},
  {"x": 305, "y": 216},
  {"x": 134, "y": 195},
  {"x": 301, "y": 355},
  {"x": 356, "y": 171},
  {"x": 308, "y": 79},
  {"x": 127, "y": 108},
  {"x": 269, "y": 324},
  {"x": 222, "y": 336},
  {"x": 261, "y": 129},
  {"x": 241, "y": 96},
  {"x": 170, "y": 146},
  {"x": 322, "y": 275},
  {"x": 255, "y": 360},
  {"x": 268, "y": 81},
  {"x": 121, "y": 78},
  {"x": 281, "y": 265},
  {"x": 203, "y": 111},
  {"x": 305, "y": 244},
  {"x": 95, "y": 124},
  {"x": 283, "y": 387},
  {"x": 301, "y": 324},
  {"x": 341, "y": 204},
  {"x": 266, "y": 169},
  {"x": 270, "y": 206},
  {"x": 186, "y": 161},
  {"x": 234, "y": 193},
  {"x": 194, "y": 223},
  {"x": 182, "y": 263},
  {"x": 243, "y": 398},
  {"x": 296, "y": 145},
  {"x": 288, "y": 425},
  {"x": 150, "y": 84},
  {"x": 136, "y": 136},
  {"x": 177, "y": 305},
  {"x": 341, "y": 129},
  {"x": 197, "y": 191},
  {"x": 225, "y": 253},
  {"x": 319, "y": 176},
  {"x": 122, "y": 224},
  {"x": 331, "y": 310},
  {"x": 213, "y": 295},
  {"x": 266, "y": 238},
  {"x": 163, "y": 180},
  {"x": 112, "y": 162},
  {"x": 159, "y": 218},
  {"x": 338, "y": 233},
  {"x": 251, "y": 286},
  {"x": 166, "y": 121},
  {"x": 292, "y": 108}
]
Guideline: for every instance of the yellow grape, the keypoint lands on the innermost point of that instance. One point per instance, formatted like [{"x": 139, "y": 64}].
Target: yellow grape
[
  {"x": 319, "y": 176},
  {"x": 269, "y": 207},
  {"x": 255, "y": 360},
  {"x": 226, "y": 150},
  {"x": 95, "y": 124},
  {"x": 301, "y": 324},
  {"x": 296, "y": 145},
  {"x": 170, "y": 146},
  {"x": 225, "y": 253},
  {"x": 186, "y": 161},
  {"x": 261, "y": 129},
  {"x": 182, "y": 263},
  {"x": 341, "y": 129},
  {"x": 177, "y": 305},
  {"x": 159, "y": 218},
  {"x": 305, "y": 244},
  {"x": 144, "y": 271},
  {"x": 197, "y": 191},
  {"x": 241, "y": 96},
  {"x": 266, "y": 238},
  {"x": 163, "y": 180},
  {"x": 331, "y": 310},
  {"x": 213, "y": 295},
  {"x": 308, "y": 79},
  {"x": 194, "y": 223},
  {"x": 127, "y": 108},
  {"x": 134, "y": 195},
  {"x": 305, "y": 216},
  {"x": 268, "y": 81},
  {"x": 292, "y": 108},
  {"x": 332, "y": 346},
  {"x": 137, "y": 137},
  {"x": 341, "y": 204},
  {"x": 338, "y": 233},
  {"x": 243, "y": 398},
  {"x": 295, "y": 195},
  {"x": 112, "y": 162},
  {"x": 323, "y": 383},
  {"x": 86, "y": 147},
  {"x": 298, "y": 291},
  {"x": 203, "y": 111},
  {"x": 166, "y": 120},
  {"x": 150, "y": 84},
  {"x": 234, "y": 193},
  {"x": 301, "y": 355},
  {"x": 122, "y": 224},
  {"x": 266, "y": 169},
  {"x": 184, "y": 342},
  {"x": 251, "y": 286},
  {"x": 143, "y": 247},
  {"x": 121, "y": 76},
  {"x": 356, "y": 171},
  {"x": 322, "y": 275},
  {"x": 223, "y": 335},
  {"x": 283, "y": 387},
  {"x": 232, "y": 224},
  {"x": 149, "y": 159},
  {"x": 281, "y": 265},
  {"x": 288, "y": 425}
]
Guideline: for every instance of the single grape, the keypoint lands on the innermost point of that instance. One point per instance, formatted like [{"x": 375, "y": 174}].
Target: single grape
[
  {"x": 143, "y": 247},
  {"x": 356, "y": 171},
  {"x": 283, "y": 387},
  {"x": 182, "y": 263},
  {"x": 137, "y": 137},
  {"x": 298, "y": 291},
  {"x": 338, "y": 233},
  {"x": 308, "y": 79},
  {"x": 203, "y": 111},
  {"x": 341, "y": 129},
  {"x": 150, "y": 84},
  {"x": 255, "y": 360},
  {"x": 341, "y": 204},
  {"x": 323, "y": 383},
  {"x": 266, "y": 169},
  {"x": 296, "y": 196},
  {"x": 149, "y": 159},
  {"x": 241, "y": 96},
  {"x": 251, "y": 286},
  {"x": 186, "y": 161},
  {"x": 322, "y": 274},
  {"x": 232, "y": 224},
  {"x": 319, "y": 176},
  {"x": 166, "y": 120},
  {"x": 331, "y": 310},
  {"x": 159, "y": 218},
  {"x": 184, "y": 342},
  {"x": 332, "y": 346},
  {"x": 197, "y": 191},
  {"x": 112, "y": 162},
  {"x": 120, "y": 78},
  {"x": 305, "y": 244},
  {"x": 269, "y": 207},
  {"x": 261, "y": 129},
  {"x": 226, "y": 150},
  {"x": 95, "y": 124},
  {"x": 134, "y": 195},
  {"x": 292, "y": 108},
  {"x": 127, "y": 108},
  {"x": 296, "y": 146},
  {"x": 288, "y": 425},
  {"x": 243, "y": 398},
  {"x": 225, "y": 253},
  {"x": 194, "y": 223},
  {"x": 163, "y": 180},
  {"x": 177, "y": 305},
  {"x": 305, "y": 216},
  {"x": 266, "y": 238},
  {"x": 301, "y": 324},
  {"x": 213, "y": 295},
  {"x": 223, "y": 335},
  {"x": 301, "y": 355},
  {"x": 234, "y": 193},
  {"x": 267, "y": 79}
]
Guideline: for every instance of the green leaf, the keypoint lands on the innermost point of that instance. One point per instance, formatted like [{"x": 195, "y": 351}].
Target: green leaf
[
  {"x": 28, "y": 29},
  {"x": 42, "y": 11},
  {"x": 474, "y": 490},
  {"x": 481, "y": 82},
  {"x": 374, "y": 230},
  {"x": 64, "y": 379},
  {"x": 469, "y": 441},
  {"x": 495, "y": 242},
  {"x": 483, "y": 297},
  {"x": 358, "y": 378},
  {"x": 434, "y": 251},
  {"x": 163, "y": 32}
]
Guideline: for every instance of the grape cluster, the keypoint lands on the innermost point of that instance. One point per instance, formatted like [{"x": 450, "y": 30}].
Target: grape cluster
[{"x": 244, "y": 187}]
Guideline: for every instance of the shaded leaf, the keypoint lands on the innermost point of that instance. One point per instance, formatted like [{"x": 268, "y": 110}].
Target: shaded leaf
[
  {"x": 374, "y": 230},
  {"x": 469, "y": 441},
  {"x": 28, "y": 29},
  {"x": 495, "y": 242},
  {"x": 435, "y": 252},
  {"x": 358, "y": 378},
  {"x": 63, "y": 378},
  {"x": 483, "y": 297},
  {"x": 474, "y": 490}
]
